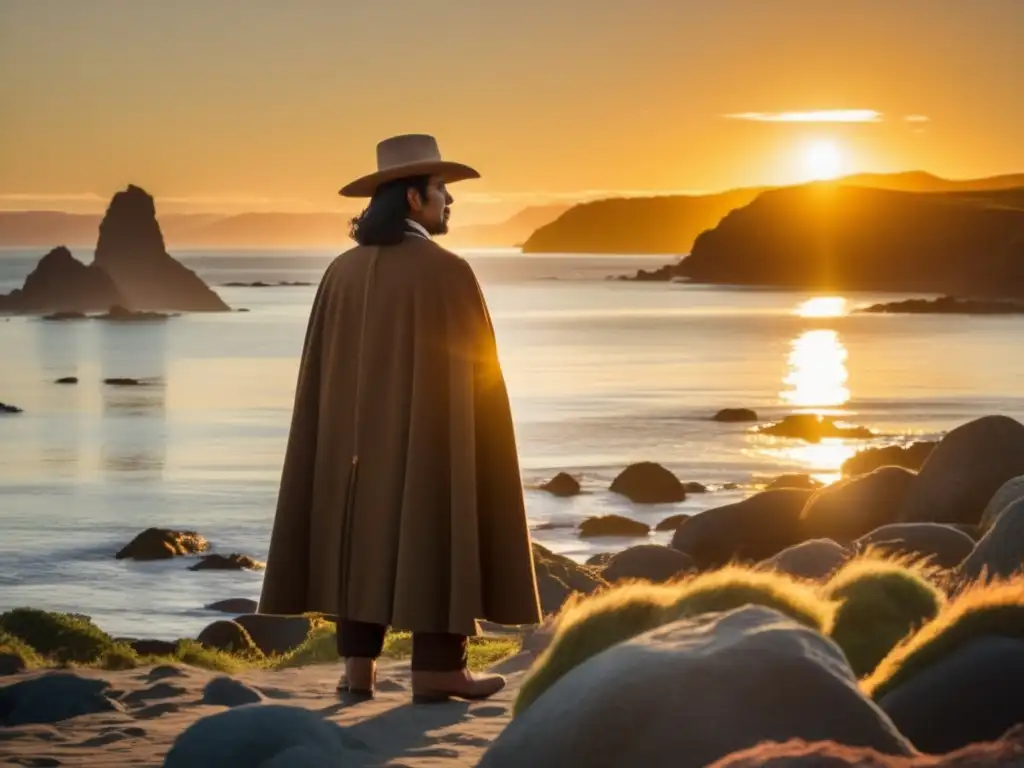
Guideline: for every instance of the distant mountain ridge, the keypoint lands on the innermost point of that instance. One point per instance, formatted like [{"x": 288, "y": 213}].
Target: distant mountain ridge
[
  {"x": 43, "y": 229},
  {"x": 669, "y": 224}
]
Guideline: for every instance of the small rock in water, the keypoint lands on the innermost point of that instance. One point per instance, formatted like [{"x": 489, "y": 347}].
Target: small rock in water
[
  {"x": 122, "y": 382},
  {"x": 232, "y": 562},
  {"x": 695, "y": 487},
  {"x": 735, "y": 415},
  {"x": 162, "y": 543},
  {"x": 5, "y": 408},
  {"x": 648, "y": 483},
  {"x": 67, "y": 380},
  {"x": 562, "y": 484},
  {"x": 612, "y": 525},
  {"x": 228, "y": 692},
  {"x": 234, "y": 605},
  {"x": 813, "y": 428}
]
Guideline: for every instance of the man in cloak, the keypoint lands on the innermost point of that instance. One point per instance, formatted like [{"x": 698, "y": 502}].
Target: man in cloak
[{"x": 401, "y": 502}]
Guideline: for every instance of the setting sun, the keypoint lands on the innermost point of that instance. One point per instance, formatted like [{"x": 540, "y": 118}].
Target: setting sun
[{"x": 823, "y": 160}]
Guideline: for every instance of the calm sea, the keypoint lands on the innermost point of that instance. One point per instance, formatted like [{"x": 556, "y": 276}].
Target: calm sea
[{"x": 601, "y": 373}]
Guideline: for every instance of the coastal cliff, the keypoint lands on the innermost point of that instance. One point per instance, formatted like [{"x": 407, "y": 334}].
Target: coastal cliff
[
  {"x": 650, "y": 225},
  {"x": 826, "y": 236}
]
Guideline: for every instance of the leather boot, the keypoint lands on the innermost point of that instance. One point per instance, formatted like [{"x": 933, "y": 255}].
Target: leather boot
[
  {"x": 359, "y": 679},
  {"x": 436, "y": 687}
]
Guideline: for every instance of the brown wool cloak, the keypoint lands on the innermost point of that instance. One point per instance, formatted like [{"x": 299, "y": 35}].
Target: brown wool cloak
[{"x": 426, "y": 530}]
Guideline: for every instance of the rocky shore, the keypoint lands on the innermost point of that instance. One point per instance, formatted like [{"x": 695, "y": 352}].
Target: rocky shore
[{"x": 891, "y": 603}]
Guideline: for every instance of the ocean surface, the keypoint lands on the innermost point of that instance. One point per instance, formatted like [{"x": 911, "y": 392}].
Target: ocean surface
[{"x": 601, "y": 373}]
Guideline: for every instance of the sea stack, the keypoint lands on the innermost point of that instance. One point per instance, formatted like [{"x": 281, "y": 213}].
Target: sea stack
[
  {"x": 131, "y": 250},
  {"x": 131, "y": 269}
]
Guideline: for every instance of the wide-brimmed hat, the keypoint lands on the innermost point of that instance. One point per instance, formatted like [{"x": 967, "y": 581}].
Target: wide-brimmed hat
[{"x": 412, "y": 154}]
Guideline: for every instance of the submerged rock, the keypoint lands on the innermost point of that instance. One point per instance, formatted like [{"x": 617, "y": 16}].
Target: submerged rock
[
  {"x": 814, "y": 428},
  {"x": 232, "y": 562},
  {"x": 735, "y": 415},
  {"x": 612, "y": 525}
]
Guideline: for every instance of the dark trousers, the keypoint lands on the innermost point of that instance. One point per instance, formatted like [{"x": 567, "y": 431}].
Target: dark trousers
[{"x": 431, "y": 651}]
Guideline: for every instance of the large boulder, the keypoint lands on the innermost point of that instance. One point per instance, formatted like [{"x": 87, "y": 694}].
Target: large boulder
[
  {"x": 1008, "y": 493},
  {"x": 1000, "y": 552},
  {"x": 648, "y": 483},
  {"x": 750, "y": 530},
  {"x": 816, "y": 559},
  {"x": 693, "y": 691},
  {"x": 940, "y": 544},
  {"x": 276, "y": 633},
  {"x": 162, "y": 543},
  {"x": 965, "y": 470},
  {"x": 648, "y": 562},
  {"x": 253, "y": 736},
  {"x": 854, "y": 506},
  {"x": 911, "y": 456},
  {"x": 972, "y": 694},
  {"x": 229, "y": 636}
]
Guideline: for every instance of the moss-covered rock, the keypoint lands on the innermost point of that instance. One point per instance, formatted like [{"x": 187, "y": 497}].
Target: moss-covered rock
[
  {"x": 161, "y": 544},
  {"x": 588, "y": 626},
  {"x": 879, "y": 603},
  {"x": 993, "y": 609},
  {"x": 64, "y": 637}
]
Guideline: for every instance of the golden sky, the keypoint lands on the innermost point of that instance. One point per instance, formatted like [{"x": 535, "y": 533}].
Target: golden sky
[{"x": 228, "y": 105}]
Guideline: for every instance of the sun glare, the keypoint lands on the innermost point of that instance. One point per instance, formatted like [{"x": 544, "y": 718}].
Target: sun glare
[
  {"x": 822, "y": 306},
  {"x": 823, "y": 160}
]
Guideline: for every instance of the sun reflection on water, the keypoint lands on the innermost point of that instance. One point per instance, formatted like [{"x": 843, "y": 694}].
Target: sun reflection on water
[
  {"x": 822, "y": 306},
  {"x": 817, "y": 373}
]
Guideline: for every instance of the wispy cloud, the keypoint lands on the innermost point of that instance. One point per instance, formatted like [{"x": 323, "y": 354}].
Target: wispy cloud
[
  {"x": 50, "y": 197},
  {"x": 917, "y": 119},
  {"x": 816, "y": 116}
]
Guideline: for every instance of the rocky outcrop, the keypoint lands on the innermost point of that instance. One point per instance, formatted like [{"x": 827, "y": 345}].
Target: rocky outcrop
[
  {"x": 965, "y": 470},
  {"x": 814, "y": 428},
  {"x": 648, "y": 225},
  {"x": 60, "y": 282},
  {"x": 965, "y": 243},
  {"x": 946, "y": 305},
  {"x": 161, "y": 543},
  {"x": 131, "y": 269},
  {"x": 7, "y": 408},
  {"x": 131, "y": 250},
  {"x": 558, "y": 577},
  {"x": 1000, "y": 552}
]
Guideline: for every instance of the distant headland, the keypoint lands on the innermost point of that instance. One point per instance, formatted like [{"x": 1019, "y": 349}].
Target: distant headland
[{"x": 131, "y": 269}]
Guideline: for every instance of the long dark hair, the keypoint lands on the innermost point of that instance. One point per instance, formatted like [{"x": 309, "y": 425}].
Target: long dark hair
[{"x": 383, "y": 220}]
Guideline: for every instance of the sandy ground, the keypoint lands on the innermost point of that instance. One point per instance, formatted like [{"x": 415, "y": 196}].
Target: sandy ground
[{"x": 393, "y": 730}]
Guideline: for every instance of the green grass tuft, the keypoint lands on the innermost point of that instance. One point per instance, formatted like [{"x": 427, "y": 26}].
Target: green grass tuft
[
  {"x": 15, "y": 646},
  {"x": 996, "y": 608},
  {"x": 68, "y": 638},
  {"x": 880, "y": 601}
]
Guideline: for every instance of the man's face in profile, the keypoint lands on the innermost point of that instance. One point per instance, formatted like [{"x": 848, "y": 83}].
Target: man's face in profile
[{"x": 433, "y": 212}]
